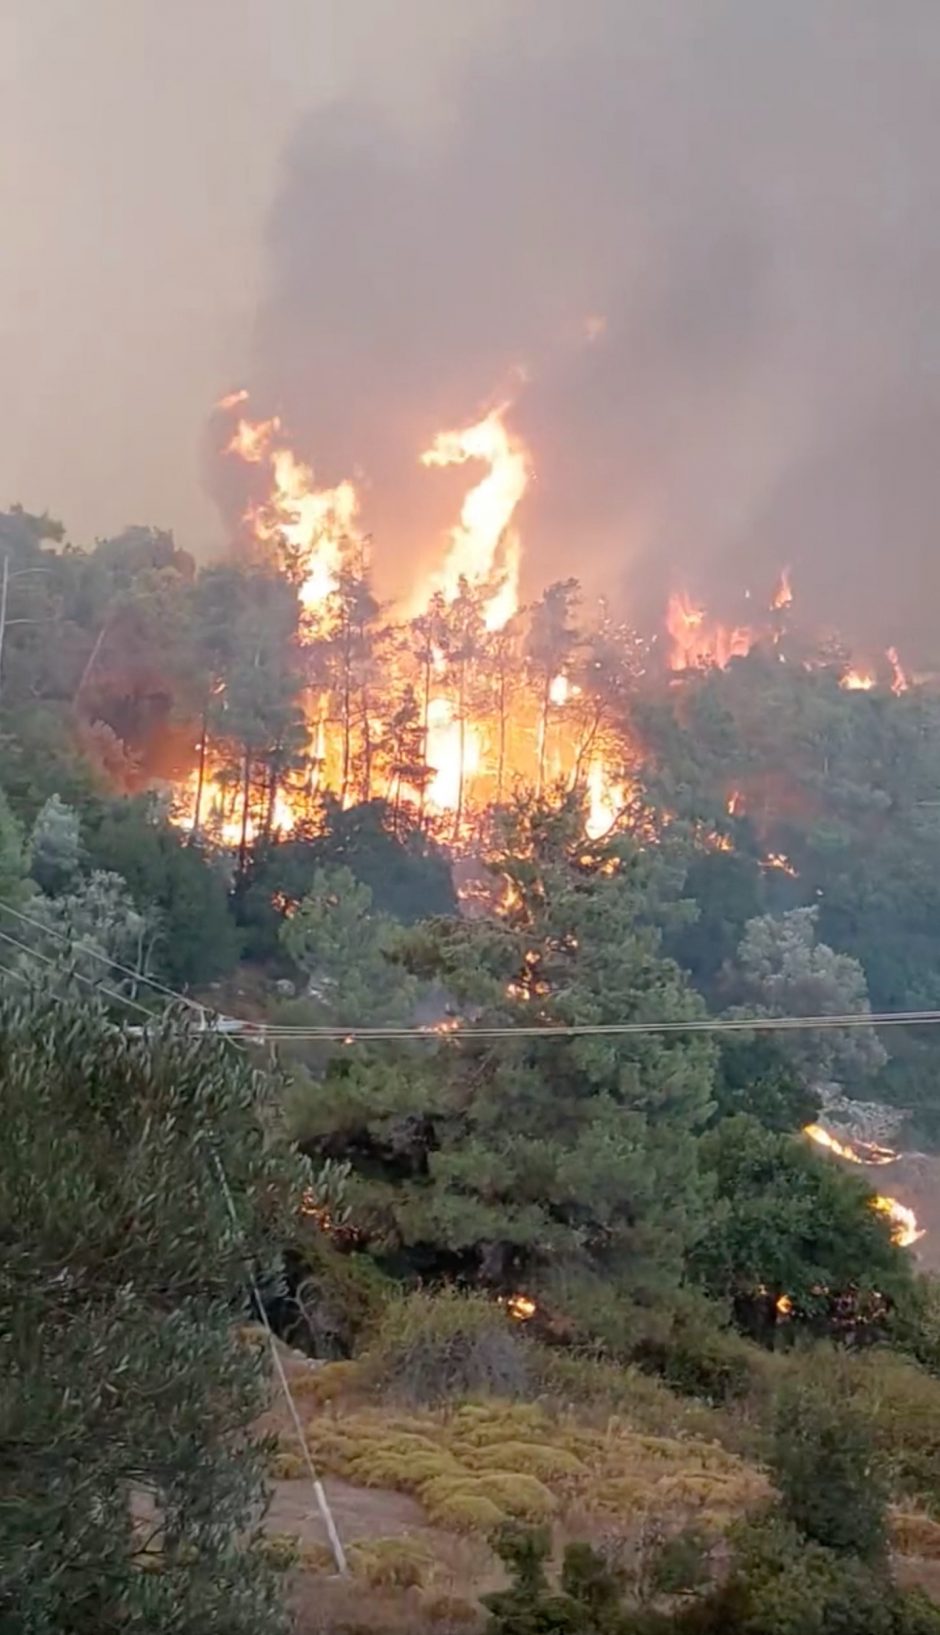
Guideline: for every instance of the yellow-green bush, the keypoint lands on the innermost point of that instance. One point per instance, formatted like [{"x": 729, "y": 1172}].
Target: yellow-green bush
[
  {"x": 517, "y": 1494},
  {"x": 902, "y": 1403},
  {"x": 462, "y": 1509},
  {"x": 549, "y": 1463},
  {"x": 392, "y": 1563},
  {"x": 381, "y": 1466}
]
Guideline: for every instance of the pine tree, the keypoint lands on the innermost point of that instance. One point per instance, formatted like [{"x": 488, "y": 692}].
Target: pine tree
[{"x": 561, "y": 1165}]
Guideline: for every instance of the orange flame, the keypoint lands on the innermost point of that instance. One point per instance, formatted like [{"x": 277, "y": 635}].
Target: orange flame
[
  {"x": 484, "y": 549},
  {"x": 783, "y": 592},
  {"x": 857, "y": 681},
  {"x": 899, "y": 681},
  {"x": 696, "y": 641},
  {"x": 904, "y": 1228},
  {"x": 232, "y": 399},
  {"x": 252, "y": 439},
  {"x": 521, "y": 1307},
  {"x": 781, "y": 862},
  {"x": 867, "y": 1152}
]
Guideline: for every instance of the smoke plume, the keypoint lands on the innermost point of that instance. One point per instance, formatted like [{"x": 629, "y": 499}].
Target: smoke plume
[{"x": 697, "y": 245}]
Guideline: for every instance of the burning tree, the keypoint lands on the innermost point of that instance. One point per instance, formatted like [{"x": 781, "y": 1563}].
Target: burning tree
[{"x": 564, "y": 1166}]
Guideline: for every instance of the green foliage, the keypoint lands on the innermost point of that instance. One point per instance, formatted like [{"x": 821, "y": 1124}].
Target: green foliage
[
  {"x": 126, "y": 1401},
  {"x": 825, "y": 1467},
  {"x": 199, "y": 939},
  {"x": 756, "y": 1076},
  {"x": 789, "y": 1221},
  {"x": 408, "y": 876},
  {"x": 12, "y": 861},
  {"x": 344, "y": 950},
  {"x": 570, "y": 1162},
  {"x": 781, "y": 970},
  {"x": 55, "y": 851}
]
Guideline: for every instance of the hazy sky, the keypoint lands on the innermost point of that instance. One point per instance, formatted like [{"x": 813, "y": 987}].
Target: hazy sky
[
  {"x": 140, "y": 145},
  {"x": 379, "y": 214}
]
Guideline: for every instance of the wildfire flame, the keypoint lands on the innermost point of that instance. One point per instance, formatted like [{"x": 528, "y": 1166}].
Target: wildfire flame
[
  {"x": 783, "y": 592},
  {"x": 484, "y": 549},
  {"x": 521, "y": 1307},
  {"x": 904, "y": 1228},
  {"x": 899, "y": 681},
  {"x": 698, "y": 641},
  {"x": 865, "y": 1153},
  {"x": 857, "y": 681}
]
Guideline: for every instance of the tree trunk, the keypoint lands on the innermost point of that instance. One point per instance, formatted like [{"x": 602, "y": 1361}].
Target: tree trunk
[
  {"x": 543, "y": 733},
  {"x": 200, "y": 776},
  {"x": 246, "y": 790},
  {"x": 462, "y": 727}
]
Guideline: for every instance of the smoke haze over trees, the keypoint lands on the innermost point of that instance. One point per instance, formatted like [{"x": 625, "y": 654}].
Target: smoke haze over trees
[{"x": 698, "y": 245}]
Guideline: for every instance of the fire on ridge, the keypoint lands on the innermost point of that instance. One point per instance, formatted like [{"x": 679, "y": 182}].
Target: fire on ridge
[{"x": 463, "y": 714}]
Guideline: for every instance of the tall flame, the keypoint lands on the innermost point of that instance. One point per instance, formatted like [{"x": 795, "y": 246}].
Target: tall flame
[
  {"x": 484, "y": 549},
  {"x": 783, "y": 592},
  {"x": 313, "y": 523},
  {"x": 697, "y": 641},
  {"x": 899, "y": 681}
]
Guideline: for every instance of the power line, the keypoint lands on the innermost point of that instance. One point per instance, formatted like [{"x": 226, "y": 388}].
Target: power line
[
  {"x": 34, "y": 953},
  {"x": 344, "y": 1033},
  {"x": 95, "y": 953}
]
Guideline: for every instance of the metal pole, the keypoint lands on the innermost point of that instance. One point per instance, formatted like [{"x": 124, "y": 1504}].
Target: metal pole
[{"x": 4, "y": 585}]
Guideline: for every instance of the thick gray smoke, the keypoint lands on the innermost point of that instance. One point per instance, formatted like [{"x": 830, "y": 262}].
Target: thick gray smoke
[{"x": 747, "y": 194}]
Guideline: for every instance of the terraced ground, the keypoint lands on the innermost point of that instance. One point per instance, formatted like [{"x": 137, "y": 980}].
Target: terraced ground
[{"x": 415, "y": 1495}]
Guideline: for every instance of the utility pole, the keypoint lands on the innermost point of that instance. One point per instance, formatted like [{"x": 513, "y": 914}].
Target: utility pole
[
  {"x": 5, "y": 578},
  {"x": 4, "y": 586}
]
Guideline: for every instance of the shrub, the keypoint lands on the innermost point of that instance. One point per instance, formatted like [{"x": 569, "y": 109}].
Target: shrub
[
  {"x": 329, "y": 1383},
  {"x": 392, "y": 1563},
  {"x": 901, "y": 1402},
  {"x": 824, "y": 1464},
  {"x": 461, "y": 1506},
  {"x": 287, "y": 1467},
  {"x": 915, "y": 1534},
  {"x": 533, "y": 1458},
  {"x": 429, "y": 1348},
  {"x": 517, "y": 1495}
]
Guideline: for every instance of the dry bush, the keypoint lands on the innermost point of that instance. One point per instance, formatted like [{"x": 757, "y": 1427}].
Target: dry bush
[
  {"x": 913, "y": 1533},
  {"x": 329, "y": 1383},
  {"x": 393, "y": 1563},
  {"x": 434, "y": 1348},
  {"x": 287, "y": 1467}
]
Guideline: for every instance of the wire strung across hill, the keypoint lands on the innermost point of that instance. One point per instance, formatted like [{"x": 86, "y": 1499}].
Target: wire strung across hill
[{"x": 240, "y": 1028}]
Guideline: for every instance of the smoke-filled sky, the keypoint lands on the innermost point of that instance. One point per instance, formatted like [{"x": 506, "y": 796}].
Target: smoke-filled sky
[{"x": 384, "y": 216}]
